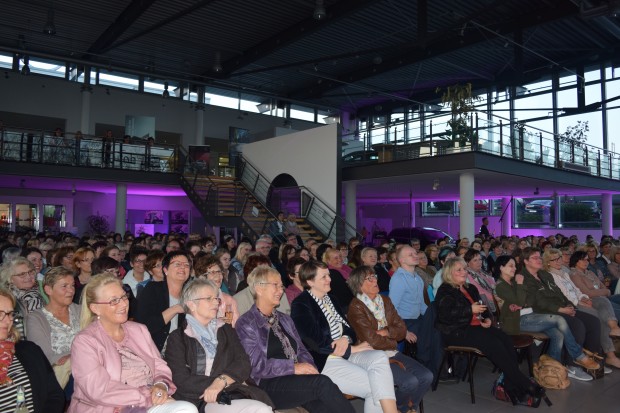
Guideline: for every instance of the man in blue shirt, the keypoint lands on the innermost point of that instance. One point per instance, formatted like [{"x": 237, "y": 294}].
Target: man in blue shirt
[{"x": 407, "y": 295}]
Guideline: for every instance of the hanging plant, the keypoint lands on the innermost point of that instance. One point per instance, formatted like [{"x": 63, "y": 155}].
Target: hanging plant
[
  {"x": 98, "y": 224},
  {"x": 460, "y": 100}
]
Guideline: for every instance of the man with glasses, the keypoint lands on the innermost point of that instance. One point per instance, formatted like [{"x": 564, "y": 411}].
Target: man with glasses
[{"x": 137, "y": 274}]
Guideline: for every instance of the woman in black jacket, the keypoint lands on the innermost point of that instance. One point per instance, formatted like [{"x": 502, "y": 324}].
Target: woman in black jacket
[
  {"x": 464, "y": 321},
  {"x": 23, "y": 365},
  {"x": 206, "y": 356}
]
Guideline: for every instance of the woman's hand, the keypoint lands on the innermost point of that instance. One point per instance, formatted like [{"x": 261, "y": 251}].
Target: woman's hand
[
  {"x": 410, "y": 337},
  {"x": 519, "y": 279},
  {"x": 159, "y": 394},
  {"x": 569, "y": 310},
  {"x": 478, "y": 308},
  {"x": 486, "y": 323},
  {"x": 340, "y": 346},
  {"x": 305, "y": 368},
  {"x": 383, "y": 332},
  {"x": 63, "y": 360},
  {"x": 363, "y": 346},
  {"x": 586, "y": 302},
  {"x": 211, "y": 392}
]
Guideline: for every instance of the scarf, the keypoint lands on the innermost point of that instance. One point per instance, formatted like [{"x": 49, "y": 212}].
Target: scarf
[
  {"x": 376, "y": 308},
  {"x": 274, "y": 323},
  {"x": 7, "y": 351},
  {"x": 29, "y": 299},
  {"x": 207, "y": 335},
  {"x": 334, "y": 319}
]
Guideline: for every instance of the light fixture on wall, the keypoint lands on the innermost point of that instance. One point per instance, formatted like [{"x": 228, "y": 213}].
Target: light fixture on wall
[
  {"x": 50, "y": 27},
  {"x": 436, "y": 184},
  {"x": 73, "y": 190},
  {"x": 26, "y": 67},
  {"x": 319, "y": 11},
  {"x": 166, "y": 94}
]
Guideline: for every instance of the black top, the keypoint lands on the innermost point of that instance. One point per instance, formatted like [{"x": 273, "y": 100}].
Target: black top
[
  {"x": 454, "y": 313},
  {"x": 340, "y": 289},
  {"x": 153, "y": 301},
  {"x": 383, "y": 278}
]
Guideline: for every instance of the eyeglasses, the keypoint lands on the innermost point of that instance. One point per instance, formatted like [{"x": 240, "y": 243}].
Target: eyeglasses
[
  {"x": 213, "y": 272},
  {"x": 68, "y": 257},
  {"x": 114, "y": 301},
  {"x": 276, "y": 285},
  {"x": 178, "y": 264},
  {"x": 142, "y": 261},
  {"x": 11, "y": 315},
  {"x": 25, "y": 274},
  {"x": 208, "y": 299},
  {"x": 372, "y": 277},
  {"x": 555, "y": 259}
]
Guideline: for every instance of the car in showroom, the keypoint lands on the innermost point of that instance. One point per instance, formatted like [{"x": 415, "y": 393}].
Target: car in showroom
[
  {"x": 426, "y": 235},
  {"x": 539, "y": 206}
]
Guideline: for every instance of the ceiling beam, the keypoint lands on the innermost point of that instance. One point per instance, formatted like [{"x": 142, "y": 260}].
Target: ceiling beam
[
  {"x": 124, "y": 20},
  {"x": 447, "y": 42},
  {"x": 294, "y": 33}
]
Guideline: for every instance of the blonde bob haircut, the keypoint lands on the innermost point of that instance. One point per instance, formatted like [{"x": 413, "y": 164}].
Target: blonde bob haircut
[{"x": 449, "y": 268}]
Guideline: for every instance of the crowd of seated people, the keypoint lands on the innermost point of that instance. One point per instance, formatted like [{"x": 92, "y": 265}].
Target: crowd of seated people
[{"x": 170, "y": 323}]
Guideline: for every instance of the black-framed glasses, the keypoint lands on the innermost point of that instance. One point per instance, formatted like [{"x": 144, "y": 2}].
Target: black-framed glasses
[
  {"x": 11, "y": 314},
  {"x": 213, "y": 272},
  {"x": 25, "y": 274},
  {"x": 208, "y": 299},
  {"x": 114, "y": 301},
  {"x": 372, "y": 277},
  {"x": 556, "y": 259}
]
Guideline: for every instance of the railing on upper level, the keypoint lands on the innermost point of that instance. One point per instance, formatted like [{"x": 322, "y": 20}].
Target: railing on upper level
[
  {"x": 500, "y": 137},
  {"x": 20, "y": 145},
  {"x": 305, "y": 204}
]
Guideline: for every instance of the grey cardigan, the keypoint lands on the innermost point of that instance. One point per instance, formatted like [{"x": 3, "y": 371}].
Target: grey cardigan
[{"x": 40, "y": 332}]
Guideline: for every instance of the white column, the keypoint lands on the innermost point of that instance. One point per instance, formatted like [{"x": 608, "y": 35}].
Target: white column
[
  {"x": 85, "y": 110},
  {"x": 413, "y": 209},
  {"x": 121, "y": 209},
  {"x": 200, "y": 115},
  {"x": 350, "y": 199},
  {"x": 467, "y": 221},
  {"x": 507, "y": 222},
  {"x": 607, "y": 215}
]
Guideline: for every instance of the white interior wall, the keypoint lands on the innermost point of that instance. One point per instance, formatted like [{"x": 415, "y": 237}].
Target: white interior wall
[
  {"x": 312, "y": 157},
  {"x": 52, "y": 97}
]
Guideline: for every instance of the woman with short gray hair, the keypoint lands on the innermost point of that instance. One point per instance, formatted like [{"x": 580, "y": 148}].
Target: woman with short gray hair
[
  {"x": 376, "y": 321},
  {"x": 207, "y": 360}
]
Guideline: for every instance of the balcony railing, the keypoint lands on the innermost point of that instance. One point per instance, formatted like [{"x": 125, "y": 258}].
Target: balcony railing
[
  {"x": 88, "y": 151},
  {"x": 502, "y": 138}
]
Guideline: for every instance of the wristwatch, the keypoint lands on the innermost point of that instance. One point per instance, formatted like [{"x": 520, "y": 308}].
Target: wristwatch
[{"x": 348, "y": 339}]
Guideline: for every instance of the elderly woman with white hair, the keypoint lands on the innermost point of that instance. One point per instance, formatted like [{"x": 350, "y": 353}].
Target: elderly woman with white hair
[
  {"x": 281, "y": 365},
  {"x": 18, "y": 275},
  {"x": 207, "y": 360}
]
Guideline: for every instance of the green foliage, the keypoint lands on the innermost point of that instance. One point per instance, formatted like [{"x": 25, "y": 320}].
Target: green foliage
[
  {"x": 461, "y": 102},
  {"x": 529, "y": 218},
  {"x": 577, "y": 134},
  {"x": 98, "y": 224},
  {"x": 577, "y": 213}
]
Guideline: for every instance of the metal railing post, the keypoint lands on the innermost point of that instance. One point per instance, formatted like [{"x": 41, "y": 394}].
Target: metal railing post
[
  {"x": 598, "y": 164},
  {"x": 501, "y": 138},
  {"x": 430, "y": 137},
  {"x": 541, "y": 148}
]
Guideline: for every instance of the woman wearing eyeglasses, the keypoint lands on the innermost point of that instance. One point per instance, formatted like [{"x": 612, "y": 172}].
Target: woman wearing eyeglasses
[
  {"x": 206, "y": 357},
  {"x": 376, "y": 321},
  {"x": 115, "y": 363},
  {"x": 18, "y": 276},
  {"x": 281, "y": 365},
  {"x": 158, "y": 305},
  {"x": 209, "y": 267},
  {"x": 82, "y": 264},
  {"x": 54, "y": 326},
  {"x": 23, "y": 364}
]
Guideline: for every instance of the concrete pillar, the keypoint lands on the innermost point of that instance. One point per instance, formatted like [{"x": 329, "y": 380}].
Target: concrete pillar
[
  {"x": 413, "y": 209},
  {"x": 507, "y": 222},
  {"x": 121, "y": 209},
  {"x": 85, "y": 110},
  {"x": 607, "y": 215},
  {"x": 467, "y": 221},
  {"x": 350, "y": 199},
  {"x": 200, "y": 128}
]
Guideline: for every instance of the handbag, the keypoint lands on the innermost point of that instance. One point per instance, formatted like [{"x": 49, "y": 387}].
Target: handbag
[
  {"x": 595, "y": 373},
  {"x": 499, "y": 391}
]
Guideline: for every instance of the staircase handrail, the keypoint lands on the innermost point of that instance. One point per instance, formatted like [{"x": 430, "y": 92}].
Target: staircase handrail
[{"x": 329, "y": 228}]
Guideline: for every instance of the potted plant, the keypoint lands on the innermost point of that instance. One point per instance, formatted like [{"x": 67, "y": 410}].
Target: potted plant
[
  {"x": 98, "y": 224},
  {"x": 461, "y": 102}
]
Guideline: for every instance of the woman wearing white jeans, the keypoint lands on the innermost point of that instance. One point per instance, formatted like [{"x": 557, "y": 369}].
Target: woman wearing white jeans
[{"x": 357, "y": 370}]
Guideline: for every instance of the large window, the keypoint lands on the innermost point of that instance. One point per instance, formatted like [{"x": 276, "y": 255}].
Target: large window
[{"x": 26, "y": 217}]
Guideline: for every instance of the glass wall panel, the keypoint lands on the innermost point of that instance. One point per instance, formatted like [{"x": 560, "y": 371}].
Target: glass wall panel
[
  {"x": 5, "y": 217},
  {"x": 438, "y": 208},
  {"x": 26, "y": 217},
  {"x": 580, "y": 211},
  {"x": 534, "y": 212},
  {"x": 537, "y": 106},
  {"x": 54, "y": 218}
]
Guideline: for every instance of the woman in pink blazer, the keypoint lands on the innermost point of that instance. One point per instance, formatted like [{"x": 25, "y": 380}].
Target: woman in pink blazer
[{"x": 115, "y": 364}]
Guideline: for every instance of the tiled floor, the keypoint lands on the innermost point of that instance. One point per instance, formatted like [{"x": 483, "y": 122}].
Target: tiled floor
[{"x": 597, "y": 396}]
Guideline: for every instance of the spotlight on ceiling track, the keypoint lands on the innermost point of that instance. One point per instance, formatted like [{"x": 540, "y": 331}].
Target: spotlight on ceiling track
[
  {"x": 50, "y": 27},
  {"x": 26, "y": 67},
  {"x": 166, "y": 94},
  {"x": 319, "y": 11}
]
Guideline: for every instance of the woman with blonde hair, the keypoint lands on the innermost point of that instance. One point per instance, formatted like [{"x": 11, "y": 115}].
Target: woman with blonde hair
[
  {"x": 243, "y": 251},
  {"x": 115, "y": 363},
  {"x": 23, "y": 365}
]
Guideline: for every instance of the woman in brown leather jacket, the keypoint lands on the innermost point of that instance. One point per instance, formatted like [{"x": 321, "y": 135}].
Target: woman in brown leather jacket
[{"x": 375, "y": 320}]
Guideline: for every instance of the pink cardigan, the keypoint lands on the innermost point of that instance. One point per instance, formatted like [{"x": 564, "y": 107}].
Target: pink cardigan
[{"x": 96, "y": 368}]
